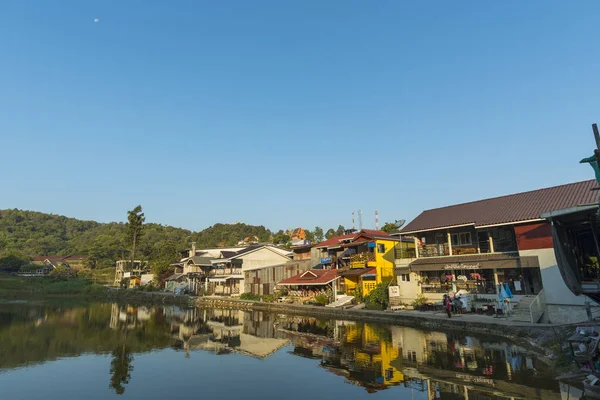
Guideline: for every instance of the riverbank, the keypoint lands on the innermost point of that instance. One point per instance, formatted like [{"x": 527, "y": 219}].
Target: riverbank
[{"x": 46, "y": 288}]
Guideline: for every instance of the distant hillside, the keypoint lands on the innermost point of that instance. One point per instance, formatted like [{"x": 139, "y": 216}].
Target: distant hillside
[
  {"x": 230, "y": 234},
  {"x": 34, "y": 233}
]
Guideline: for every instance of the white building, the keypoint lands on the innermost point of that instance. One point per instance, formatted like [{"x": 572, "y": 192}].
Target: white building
[{"x": 221, "y": 271}]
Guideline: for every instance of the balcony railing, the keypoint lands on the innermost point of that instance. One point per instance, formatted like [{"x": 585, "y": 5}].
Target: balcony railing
[
  {"x": 360, "y": 260},
  {"x": 405, "y": 253},
  {"x": 440, "y": 250},
  {"x": 434, "y": 250},
  {"x": 227, "y": 271}
]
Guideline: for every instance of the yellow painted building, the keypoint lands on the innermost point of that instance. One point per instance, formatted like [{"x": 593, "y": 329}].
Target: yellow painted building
[
  {"x": 374, "y": 249},
  {"x": 375, "y": 352}
]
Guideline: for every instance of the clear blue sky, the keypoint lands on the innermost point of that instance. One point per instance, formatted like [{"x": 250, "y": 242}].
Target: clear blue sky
[{"x": 291, "y": 113}]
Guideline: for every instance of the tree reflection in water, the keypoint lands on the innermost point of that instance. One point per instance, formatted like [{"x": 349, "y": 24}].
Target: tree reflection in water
[
  {"x": 374, "y": 357},
  {"x": 120, "y": 368}
]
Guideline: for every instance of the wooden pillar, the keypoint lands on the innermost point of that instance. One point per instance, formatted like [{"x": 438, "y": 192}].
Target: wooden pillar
[
  {"x": 416, "y": 247},
  {"x": 334, "y": 288},
  {"x": 491, "y": 239},
  {"x": 449, "y": 243},
  {"x": 496, "y": 282}
]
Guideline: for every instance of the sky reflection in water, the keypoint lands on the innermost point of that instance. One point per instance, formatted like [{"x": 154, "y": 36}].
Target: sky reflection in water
[{"x": 108, "y": 350}]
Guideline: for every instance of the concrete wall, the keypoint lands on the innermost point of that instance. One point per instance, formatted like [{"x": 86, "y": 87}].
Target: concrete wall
[
  {"x": 315, "y": 256},
  {"x": 554, "y": 287},
  {"x": 261, "y": 258},
  {"x": 409, "y": 290},
  {"x": 264, "y": 281},
  {"x": 563, "y": 314}
]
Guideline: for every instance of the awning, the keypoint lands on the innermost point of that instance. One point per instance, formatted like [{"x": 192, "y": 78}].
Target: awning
[
  {"x": 358, "y": 272},
  {"x": 217, "y": 280},
  {"x": 475, "y": 262}
]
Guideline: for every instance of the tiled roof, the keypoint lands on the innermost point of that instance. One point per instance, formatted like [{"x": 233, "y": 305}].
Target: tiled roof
[
  {"x": 334, "y": 240},
  {"x": 76, "y": 257},
  {"x": 374, "y": 232},
  {"x": 312, "y": 277},
  {"x": 369, "y": 232},
  {"x": 507, "y": 209}
]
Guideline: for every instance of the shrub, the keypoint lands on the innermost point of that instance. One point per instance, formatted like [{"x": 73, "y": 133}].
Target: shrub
[
  {"x": 321, "y": 299},
  {"x": 378, "y": 298},
  {"x": 61, "y": 272},
  {"x": 358, "y": 296},
  {"x": 250, "y": 296},
  {"x": 85, "y": 274},
  {"x": 270, "y": 298},
  {"x": 29, "y": 268},
  {"x": 419, "y": 300}
]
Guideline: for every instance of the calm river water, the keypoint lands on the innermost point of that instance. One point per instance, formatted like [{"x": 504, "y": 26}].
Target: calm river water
[{"x": 105, "y": 350}]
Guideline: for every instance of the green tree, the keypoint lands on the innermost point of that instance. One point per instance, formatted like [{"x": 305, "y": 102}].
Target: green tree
[
  {"x": 390, "y": 227},
  {"x": 61, "y": 272},
  {"x": 340, "y": 230},
  {"x": 330, "y": 233},
  {"x": 12, "y": 261},
  {"x": 164, "y": 254},
  {"x": 310, "y": 236},
  {"x": 281, "y": 238},
  {"x": 120, "y": 369},
  {"x": 135, "y": 227},
  {"x": 318, "y": 232}
]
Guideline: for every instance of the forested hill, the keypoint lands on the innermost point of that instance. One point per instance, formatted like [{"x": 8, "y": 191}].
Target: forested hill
[{"x": 34, "y": 233}]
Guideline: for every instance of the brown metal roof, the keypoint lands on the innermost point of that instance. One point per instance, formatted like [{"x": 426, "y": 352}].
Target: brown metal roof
[{"x": 506, "y": 209}]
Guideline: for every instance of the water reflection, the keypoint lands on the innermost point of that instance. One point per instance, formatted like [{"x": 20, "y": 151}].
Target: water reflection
[{"x": 434, "y": 365}]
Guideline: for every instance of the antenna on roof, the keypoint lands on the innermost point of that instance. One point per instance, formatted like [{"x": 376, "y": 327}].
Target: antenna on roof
[
  {"x": 399, "y": 223},
  {"x": 359, "y": 220},
  {"x": 352, "y": 220},
  {"x": 376, "y": 220}
]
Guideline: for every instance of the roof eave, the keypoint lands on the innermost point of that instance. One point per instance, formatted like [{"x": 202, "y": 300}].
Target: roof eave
[
  {"x": 435, "y": 229},
  {"x": 566, "y": 211}
]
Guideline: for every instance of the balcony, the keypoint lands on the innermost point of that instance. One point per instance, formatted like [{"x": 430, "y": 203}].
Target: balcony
[
  {"x": 404, "y": 253},
  {"x": 226, "y": 271},
  {"x": 361, "y": 260}
]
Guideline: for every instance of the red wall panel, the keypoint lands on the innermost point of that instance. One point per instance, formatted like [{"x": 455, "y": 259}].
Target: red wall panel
[{"x": 534, "y": 236}]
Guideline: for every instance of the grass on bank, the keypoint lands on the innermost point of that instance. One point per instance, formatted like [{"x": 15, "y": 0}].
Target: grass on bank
[{"x": 18, "y": 286}]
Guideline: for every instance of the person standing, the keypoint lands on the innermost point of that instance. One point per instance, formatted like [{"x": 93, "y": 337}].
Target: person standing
[
  {"x": 447, "y": 304},
  {"x": 457, "y": 304}
]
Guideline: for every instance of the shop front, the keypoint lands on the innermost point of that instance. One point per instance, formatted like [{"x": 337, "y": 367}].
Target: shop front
[{"x": 478, "y": 275}]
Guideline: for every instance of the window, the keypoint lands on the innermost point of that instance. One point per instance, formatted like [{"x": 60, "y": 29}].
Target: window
[
  {"x": 461, "y": 239},
  {"x": 454, "y": 237},
  {"x": 404, "y": 277},
  {"x": 465, "y": 238},
  {"x": 381, "y": 248}
]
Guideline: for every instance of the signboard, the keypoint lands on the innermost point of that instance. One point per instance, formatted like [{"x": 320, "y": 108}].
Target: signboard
[
  {"x": 127, "y": 275},
  {"x": 394, "y": 291},
  {"x": 326, "y": 260},
  {"x": 462, "y": 266}
]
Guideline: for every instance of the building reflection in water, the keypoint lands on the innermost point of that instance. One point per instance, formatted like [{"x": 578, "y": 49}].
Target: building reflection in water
[
  {"x": 443, "y": 365},
  {"x": 439, "y": 365}
]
